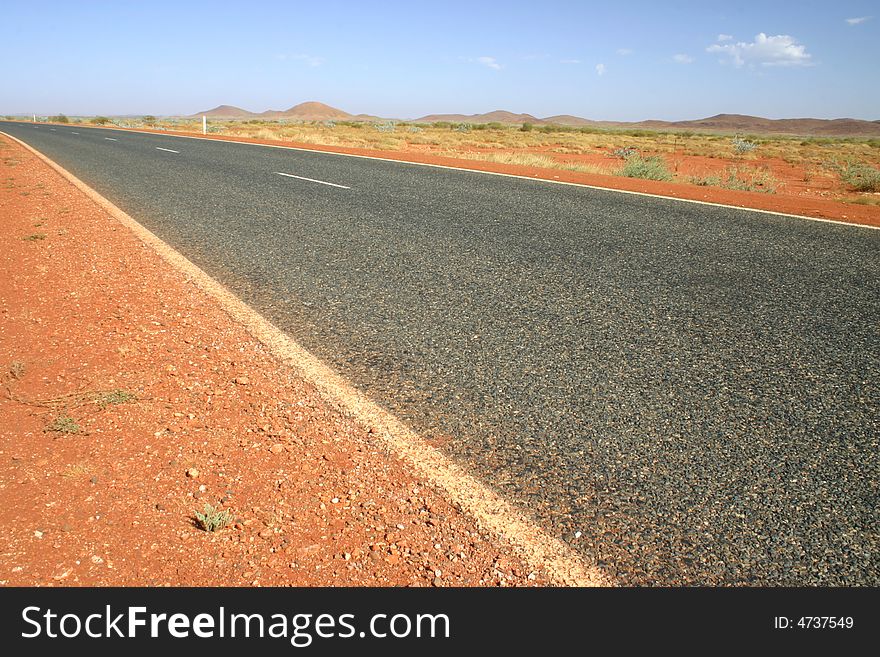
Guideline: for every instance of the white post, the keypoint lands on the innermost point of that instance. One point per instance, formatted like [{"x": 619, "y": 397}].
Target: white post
[
  {"x": 35, "y": 118},
  {"x": 204, "y": 124}
]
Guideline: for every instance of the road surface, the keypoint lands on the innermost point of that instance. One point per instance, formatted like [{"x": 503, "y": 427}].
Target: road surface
[{"x": 685, "y": 393}]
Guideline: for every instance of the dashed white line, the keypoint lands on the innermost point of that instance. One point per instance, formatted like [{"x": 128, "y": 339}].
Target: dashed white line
[
  {"x": 52, "y": 130},
  {"x": 73, "y": 133},
  {"x": 320, "y": 182},
  {"x": 110, "y": 139},
  {"x": 167, "y": 150}
]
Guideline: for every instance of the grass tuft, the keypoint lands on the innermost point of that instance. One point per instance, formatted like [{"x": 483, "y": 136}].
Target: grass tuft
[
  {"x": 649, "y": 168},
  {"x": 64, "y": 424},
  {"x": 213, "y": 519},
  {"x": 114, "y": 397},
  {"x": 861, "y": 177}
]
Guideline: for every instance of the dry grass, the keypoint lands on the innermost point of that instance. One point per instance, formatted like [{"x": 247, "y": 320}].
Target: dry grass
[{"x": 542, "y": 161}]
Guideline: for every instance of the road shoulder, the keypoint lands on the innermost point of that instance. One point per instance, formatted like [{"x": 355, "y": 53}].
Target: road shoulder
[{"x": 130, "y": 399}]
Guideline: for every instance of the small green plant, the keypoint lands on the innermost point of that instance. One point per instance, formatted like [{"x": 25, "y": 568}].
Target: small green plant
[
  {"x": 63, "y": 424},
  {"x": 114, "y": 397},
  {"x": 624, "y": 153},
  {"x": 59, "y": 118},
  {"x": 708, "y": 181},
  {"x": 16, "y": 369},
  {"x": 100, "y": 120},
  {"x": 34, "y": 237},
  {"x": 740, "y": 180},
  {"x": 213, "y": 519},
  {"x": 743, "y": 146},
  {"x": 149, "y": 119},
  {"x": 527, "y": 127},
  {"x": 649, "y": 168},
  {"x": 860, "y": 177}
]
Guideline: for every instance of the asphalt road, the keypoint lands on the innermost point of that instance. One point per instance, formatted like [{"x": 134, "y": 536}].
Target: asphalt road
[{"x": 685, "y": 393}]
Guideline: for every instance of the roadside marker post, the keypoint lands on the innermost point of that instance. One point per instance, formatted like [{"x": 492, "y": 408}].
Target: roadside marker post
[{"x": 204, "y": 124}]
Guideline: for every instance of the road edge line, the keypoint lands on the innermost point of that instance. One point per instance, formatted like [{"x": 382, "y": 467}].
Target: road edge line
[{"x": 492, "y": 513}]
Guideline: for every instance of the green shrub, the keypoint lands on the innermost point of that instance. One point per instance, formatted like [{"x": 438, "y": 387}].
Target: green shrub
[
  {"x": 149, "y": 120},
  {"x": 213, "y": 519},
  {"x": 742, "y": 146},
  {"x": 100, "y": 120},
  {"x": 63, "y": 424},
  {"x": 527, "y": 127},
  {"x": 708, "y": 181},
  {"x": 649, "y": 168},
  {"x": 861, "y": 177},
  {"x": 743, "y": 181},
  {"x": 114, "y": 397},
  {"x": 59, "y": 118}
]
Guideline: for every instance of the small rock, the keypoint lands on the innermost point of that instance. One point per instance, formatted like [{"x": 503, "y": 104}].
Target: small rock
[
  {"x": 266, "y": 533},
  {"x": 192, "y": 473},
  {"x": 203, "y": 488},
  {"x": 160, "y": 506},
  {"x": 277, "y": 448},
  {"x": 242, "y": 380}
]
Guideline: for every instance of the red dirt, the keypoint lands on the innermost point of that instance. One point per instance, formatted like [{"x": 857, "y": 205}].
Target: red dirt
[
  {"x": 89, "y": 309},
  {"x": 799, "y": 197}
]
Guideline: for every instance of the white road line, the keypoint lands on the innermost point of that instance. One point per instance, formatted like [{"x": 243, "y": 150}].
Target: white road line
[
  {"x": 51, "y": 129},
  {"x": 73, "y": 133},
  {"x": 166, "y": 149},
  {"x": 320, "y": 182},
  {"x": 110, "y": 139}
]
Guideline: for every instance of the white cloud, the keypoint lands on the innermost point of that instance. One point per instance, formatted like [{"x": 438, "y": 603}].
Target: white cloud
[
  {"x": 600, "y": 69},
  {"x": 779, "y": 50},
  {"x": 310, "y": 60},
  {"x": 623, "y": 52},
  {"x": 491, "y": 62},
  {"x": 569, "y": 61},
  {"x": 724, "y": 37},
  {"x": 682, "y": 59},
  {"x": 856, "y": 21}
]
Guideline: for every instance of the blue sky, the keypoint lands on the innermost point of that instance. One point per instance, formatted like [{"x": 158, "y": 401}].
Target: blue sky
[{"x": 612, "y": 60}]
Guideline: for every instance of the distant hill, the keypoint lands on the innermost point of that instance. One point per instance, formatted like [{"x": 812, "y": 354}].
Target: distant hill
[
  {"x": 719, "y": 123},
  {"x": 817, "y": 127},
  {"x": 309, "y": 111},
  {"x": 498, "y": 116},
  {"x": 725, "y": 123},
  {"x": 226, "y": 112}
]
